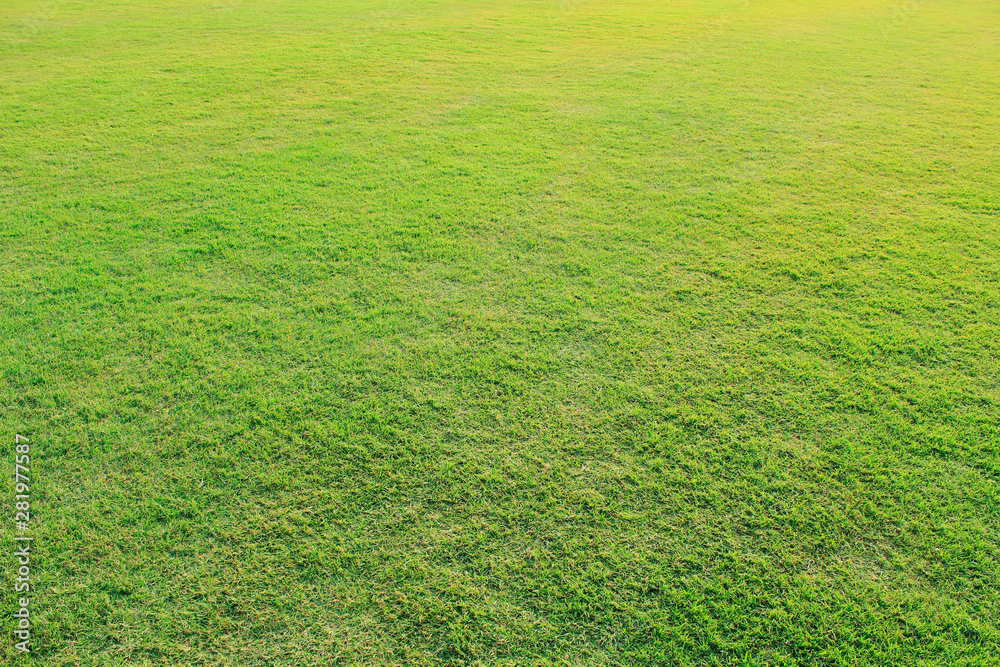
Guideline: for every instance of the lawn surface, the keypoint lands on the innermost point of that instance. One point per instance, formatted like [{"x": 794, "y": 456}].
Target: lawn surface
[{"x": 503, "y": 333}]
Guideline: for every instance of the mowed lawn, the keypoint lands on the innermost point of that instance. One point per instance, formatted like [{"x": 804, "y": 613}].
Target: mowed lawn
[{"x": 503, "y": 333}]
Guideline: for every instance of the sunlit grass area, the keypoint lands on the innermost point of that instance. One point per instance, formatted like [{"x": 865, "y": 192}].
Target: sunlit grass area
[{"x": 503, "y": 333}]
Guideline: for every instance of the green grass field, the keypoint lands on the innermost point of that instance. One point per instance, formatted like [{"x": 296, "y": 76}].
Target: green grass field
[{"x": 543, "y": 332}]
